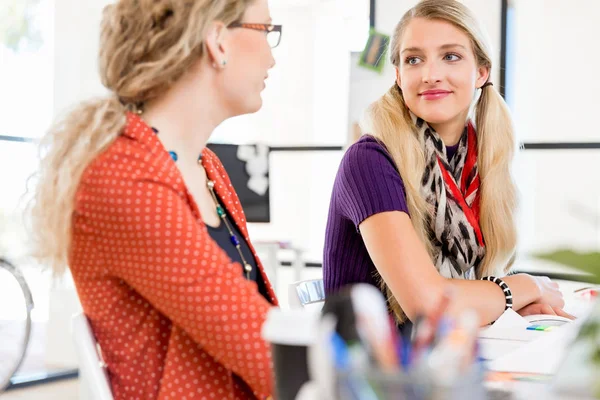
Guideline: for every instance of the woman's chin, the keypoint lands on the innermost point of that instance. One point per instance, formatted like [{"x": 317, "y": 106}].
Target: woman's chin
[
  {"x": 435, "y": 117},
  {"x": 249, "y": 106}
]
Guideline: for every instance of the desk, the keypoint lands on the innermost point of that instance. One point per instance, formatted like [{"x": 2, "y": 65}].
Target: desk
[{"x": 492, "y": 349}]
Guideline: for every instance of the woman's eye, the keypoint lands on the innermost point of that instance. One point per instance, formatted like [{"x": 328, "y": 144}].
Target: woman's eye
[
  {"x": 451, "y": 57},
  {"x": 413, "y": 60}
]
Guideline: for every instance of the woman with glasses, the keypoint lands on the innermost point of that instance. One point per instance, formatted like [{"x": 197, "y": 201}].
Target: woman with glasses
[{"x": 144, "y": 215}]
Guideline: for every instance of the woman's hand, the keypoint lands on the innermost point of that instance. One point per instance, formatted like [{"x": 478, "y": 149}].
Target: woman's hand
[
  {"x": 539, "y": 308},
  {"x": 550, "y": 300},
  {"x": 549, "y": 293}
]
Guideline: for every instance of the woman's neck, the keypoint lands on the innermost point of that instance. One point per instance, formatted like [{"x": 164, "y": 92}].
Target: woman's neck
[
  {"x": 451, "y": 131},
  {"x": 186, "y": 115}
]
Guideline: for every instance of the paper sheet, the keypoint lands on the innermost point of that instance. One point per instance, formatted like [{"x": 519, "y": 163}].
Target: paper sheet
[
  {"x": 510, "y": 326},
  {"x": 508, "y": 334},
  {"x": 491, "y": 349},
  {"x": 541, "y": 356}
]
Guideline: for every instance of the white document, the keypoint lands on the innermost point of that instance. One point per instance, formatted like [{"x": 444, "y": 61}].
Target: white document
[
  {"x": 508, "y": 334},
  {"x": 540, "y": 356},
  {"x": 510, "y": 326},
  {"x": 491, "y": 349}
]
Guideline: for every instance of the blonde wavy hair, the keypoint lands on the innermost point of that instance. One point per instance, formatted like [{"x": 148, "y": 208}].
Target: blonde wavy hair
[
  {"x": 388, "y": 119},
  {"x": 145, "y": 46}
]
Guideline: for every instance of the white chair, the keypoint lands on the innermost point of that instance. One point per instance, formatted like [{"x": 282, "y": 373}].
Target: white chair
[
  {"x": 93, "y": 378},
  {"x": 15, "y": 332},
  {"x": 306, "y": 293}
]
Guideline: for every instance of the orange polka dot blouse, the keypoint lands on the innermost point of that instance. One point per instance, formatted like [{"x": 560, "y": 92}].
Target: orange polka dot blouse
[{"x": 173, "y": 315}]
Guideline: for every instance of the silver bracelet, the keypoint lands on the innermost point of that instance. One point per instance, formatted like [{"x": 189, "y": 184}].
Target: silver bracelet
[{"x": 505, "y": 289}]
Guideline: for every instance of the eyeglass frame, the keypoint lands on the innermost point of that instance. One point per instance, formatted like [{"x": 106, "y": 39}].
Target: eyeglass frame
[{"x": 259, "y": 27}]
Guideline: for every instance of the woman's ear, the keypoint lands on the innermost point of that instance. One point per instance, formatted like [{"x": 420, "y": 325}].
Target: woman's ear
[
  {"x": 397, "y": 76},
  {"x": 216, "y": 44},
  {"x": 483, "y": 75}
]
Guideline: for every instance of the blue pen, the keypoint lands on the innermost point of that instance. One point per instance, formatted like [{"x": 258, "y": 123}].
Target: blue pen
[
  {"x": 341, "y": 356},
  {"x": 400, "y": 351},
  {"x": 341, "y": 362},
  {"x": 406, "y": 346},
  {"x": 406, "y": 354},
  {"x": 356, "y": 386}
]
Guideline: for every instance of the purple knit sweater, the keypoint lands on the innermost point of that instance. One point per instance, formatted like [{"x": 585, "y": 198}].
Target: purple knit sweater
[{"x": 367, "y": 183}]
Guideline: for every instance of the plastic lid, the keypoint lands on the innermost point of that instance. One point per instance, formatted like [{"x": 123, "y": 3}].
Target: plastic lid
[{"x": 295, "y": 327}]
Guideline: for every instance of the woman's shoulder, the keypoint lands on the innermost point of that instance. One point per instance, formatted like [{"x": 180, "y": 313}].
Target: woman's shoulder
[
  {"x": 367, "y": 152},
  {"x": 215, "y": 168},
  {"x": 128, "y": 163},
  {"x": 124, "y": 157},
  {"x": 368, "y": 182},
  {"x": 368, "y": 140},
  {"x": 211, "y": 160}
]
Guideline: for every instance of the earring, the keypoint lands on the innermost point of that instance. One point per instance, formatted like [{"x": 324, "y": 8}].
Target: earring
[
  {"x": 222, "y": 64},
  {"x": 138, "y": 108}
]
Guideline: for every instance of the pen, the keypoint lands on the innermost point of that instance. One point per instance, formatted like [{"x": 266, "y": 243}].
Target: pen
[
  {"x": 586, "y": 288},
  {"x": 427, "y": 326},
  {"x": 421, "y": 338},
  {"x": 341, "y": 356},
  {"x": 587, "y": 293},
  {"x": 435, "y": 316},
  {"x": 382, "y": 350}
]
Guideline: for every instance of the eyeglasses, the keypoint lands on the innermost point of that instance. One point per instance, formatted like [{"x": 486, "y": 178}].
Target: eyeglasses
[{"x": 273, "y": 32}]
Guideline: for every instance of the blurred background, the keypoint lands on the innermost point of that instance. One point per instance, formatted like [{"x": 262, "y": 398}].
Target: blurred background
[{"x": 545, "y": 64}]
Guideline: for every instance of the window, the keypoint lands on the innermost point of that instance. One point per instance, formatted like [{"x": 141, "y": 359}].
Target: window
[
  {"x": 26, "y": 73},
  {"x": 26, "y": 99},
  {"x": 26, "y": 78},
  {"x": 550, "y": 88}
]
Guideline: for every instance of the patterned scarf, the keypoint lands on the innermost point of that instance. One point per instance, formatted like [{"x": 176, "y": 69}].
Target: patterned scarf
[{"x": 452, "y": 190}]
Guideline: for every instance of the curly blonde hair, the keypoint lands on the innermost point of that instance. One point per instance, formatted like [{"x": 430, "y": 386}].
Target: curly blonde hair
[
  {"x": 145, "y": 46},
  {"x": 389, "y": 121}
]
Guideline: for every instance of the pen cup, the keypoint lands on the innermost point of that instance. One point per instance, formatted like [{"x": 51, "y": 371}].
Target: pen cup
[
  {"x": 290, "y": 332},
  {"x": 416, "y": 385}
]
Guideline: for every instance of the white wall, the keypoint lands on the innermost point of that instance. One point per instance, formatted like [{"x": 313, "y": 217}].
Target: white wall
[
  {"x": 76, "y": 37},
  {"x": 282, "y": 118},
  {"x": 555, "y": 99},
  {"x": 304, "y": 99},
  {"x": 305, "y": 103},
  {"x": 558, "y": 62}
]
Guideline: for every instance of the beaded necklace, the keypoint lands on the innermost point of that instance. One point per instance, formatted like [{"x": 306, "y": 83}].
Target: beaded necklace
[{"x": 221, "y": 213}]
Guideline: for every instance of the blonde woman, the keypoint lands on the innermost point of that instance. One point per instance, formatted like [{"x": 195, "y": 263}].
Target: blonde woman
[
  {"x": 145, "y": 216},
  {"x": 426, "y": 200}
]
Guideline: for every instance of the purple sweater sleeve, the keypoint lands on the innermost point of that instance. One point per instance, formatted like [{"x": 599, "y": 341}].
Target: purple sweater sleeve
[{"x": 368, "y": 182}]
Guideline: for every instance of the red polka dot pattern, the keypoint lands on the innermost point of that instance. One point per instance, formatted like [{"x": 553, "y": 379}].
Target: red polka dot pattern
[{"x": 172, "y": 313}]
